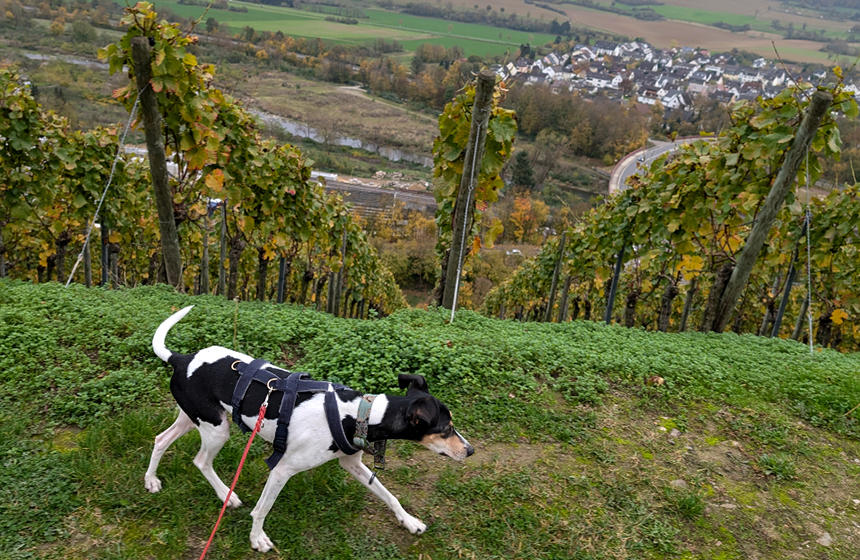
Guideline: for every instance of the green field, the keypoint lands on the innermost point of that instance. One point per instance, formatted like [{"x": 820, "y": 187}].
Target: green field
[
  {"x": 578, "y": 454},
  {"x": 709, "y": 18},
  {"x": 410, "y": 30}
]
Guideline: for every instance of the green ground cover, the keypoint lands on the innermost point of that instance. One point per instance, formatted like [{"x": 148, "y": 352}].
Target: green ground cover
[{"x": 745, "y": 450}]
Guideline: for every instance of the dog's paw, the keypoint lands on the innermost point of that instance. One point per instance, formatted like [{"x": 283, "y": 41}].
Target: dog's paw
[
  {"x": 413, "y": 525},
  {"x": 261, "y": 542},
  {"x": 234, "y": 501},
  {"x": 152, "y": 483}
]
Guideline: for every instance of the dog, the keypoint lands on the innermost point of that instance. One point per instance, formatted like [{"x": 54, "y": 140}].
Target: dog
[{"x": 202, "y": 384}]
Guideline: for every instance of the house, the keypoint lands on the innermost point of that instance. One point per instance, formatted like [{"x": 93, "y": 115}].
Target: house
[
  {"x": 648, "y": 95},
  {"x": 607, "y": 48},
  {"x": 697, "y": 86},
  {"x": 674, "y": 100},
  {"x": 722, "y": 96},
  {"x": 599, "y": 80}
]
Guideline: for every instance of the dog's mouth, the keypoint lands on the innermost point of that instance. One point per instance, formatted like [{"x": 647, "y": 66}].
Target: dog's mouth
[{"x": 454, "y": 445}]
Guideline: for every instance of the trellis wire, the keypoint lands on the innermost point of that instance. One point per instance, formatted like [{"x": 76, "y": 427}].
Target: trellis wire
[
  {"x": 808, "y": 256},
  {"x": 107, "y": 186},
  {"x": 465, "y": 221}
]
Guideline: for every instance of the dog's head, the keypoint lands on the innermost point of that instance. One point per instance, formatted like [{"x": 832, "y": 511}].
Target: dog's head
[{"x": 430, "y": 422}]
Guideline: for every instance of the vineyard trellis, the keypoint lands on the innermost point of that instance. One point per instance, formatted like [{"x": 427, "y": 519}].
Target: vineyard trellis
[
  {"x": 684, "y": 222},
  {"x": 55, "y": 177}
]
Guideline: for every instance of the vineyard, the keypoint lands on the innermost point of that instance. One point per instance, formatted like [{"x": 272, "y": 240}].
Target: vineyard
[
  {"x": 670, "y": 243},
  {"x": 254, "y": 197}
]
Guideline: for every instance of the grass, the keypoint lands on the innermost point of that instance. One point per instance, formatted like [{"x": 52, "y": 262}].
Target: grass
[
  {"x": 744, "y": 451},
  {"x": 708, "y": 17},
  {"x": 483, "y": 40}
]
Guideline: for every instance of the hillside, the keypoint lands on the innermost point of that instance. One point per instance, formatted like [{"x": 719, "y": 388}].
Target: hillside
[{"x": 592, "y": 441}]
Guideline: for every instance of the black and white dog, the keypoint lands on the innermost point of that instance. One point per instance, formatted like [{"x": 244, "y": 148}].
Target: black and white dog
[{"x": 203, "y": 382}]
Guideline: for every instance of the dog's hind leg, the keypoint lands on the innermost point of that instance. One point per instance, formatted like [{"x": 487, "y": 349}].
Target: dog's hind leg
[
  {"x": 274, "y": 484},
  {"x": 212, "y": 439},
  {"x": 181, "y": 426},
  {"x": 353, "y": 465}
]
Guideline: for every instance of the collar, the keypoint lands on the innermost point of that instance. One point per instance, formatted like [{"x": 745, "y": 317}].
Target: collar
[
  {"x": 377, "y": 448},
  {"x": 365, "y": 404}
]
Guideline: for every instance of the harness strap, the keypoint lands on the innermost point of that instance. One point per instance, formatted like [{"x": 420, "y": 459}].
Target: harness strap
[
  {"x": 291, "y": 384},
  {"x": 246, "y": 375},
  {"x": 332, "y": 416},
  {"x": 290, "y": 387}
]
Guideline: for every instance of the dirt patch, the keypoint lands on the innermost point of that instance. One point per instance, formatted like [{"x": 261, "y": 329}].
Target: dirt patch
[{"x": 338, "y": 111}]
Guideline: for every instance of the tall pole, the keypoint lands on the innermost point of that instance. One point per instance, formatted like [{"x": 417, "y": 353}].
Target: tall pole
[
  {"x": 792, "y": 272},
  {"x": 554, "y": 285},
  {"x": 462, "y": 219},
  {"x": 141, "y": 51},
  {"x": 222, "y": 252},
  {"x": 818, "y": 107},
  {"x": 613, "y": 286}
]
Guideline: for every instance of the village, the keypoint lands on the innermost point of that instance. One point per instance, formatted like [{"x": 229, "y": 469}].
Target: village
[{"x": 636, "y": 70}]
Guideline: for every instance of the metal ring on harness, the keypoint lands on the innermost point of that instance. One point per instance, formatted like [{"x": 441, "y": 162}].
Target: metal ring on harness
[
  {"x": 269, "y": 383},
  {"x": 233, "y": 365}
]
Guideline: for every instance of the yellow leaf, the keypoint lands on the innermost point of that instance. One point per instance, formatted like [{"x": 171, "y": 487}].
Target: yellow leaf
[
  {"x": 476, "y": 245},
  {"x": 734, "y": 242},
  {"x": 114, "y": 237},
  {"x": 838, "y": 316},
  {"x": 215, "y": 180},
  {"x": 690, "y": 264}
]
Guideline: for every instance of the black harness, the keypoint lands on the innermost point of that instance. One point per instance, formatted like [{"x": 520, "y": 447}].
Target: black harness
[{"x": 291, "y": 384}]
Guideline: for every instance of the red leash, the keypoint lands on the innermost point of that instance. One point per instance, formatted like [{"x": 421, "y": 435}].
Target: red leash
[{"x": 238, "y": 471}]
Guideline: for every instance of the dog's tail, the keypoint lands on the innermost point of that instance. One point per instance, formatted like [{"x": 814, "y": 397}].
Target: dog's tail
[{"x": 161, "y": 333}]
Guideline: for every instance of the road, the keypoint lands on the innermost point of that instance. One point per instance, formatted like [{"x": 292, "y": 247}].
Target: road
[{"x": 630, "y": 164}]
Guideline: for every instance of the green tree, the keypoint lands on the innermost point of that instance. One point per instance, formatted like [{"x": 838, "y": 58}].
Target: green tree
[{"x": 522, "y": 175}]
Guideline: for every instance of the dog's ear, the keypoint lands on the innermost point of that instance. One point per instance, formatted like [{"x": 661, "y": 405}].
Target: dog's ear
[
  {"x": 423, "y": 410},
  {"x": 408, "y": 381}
]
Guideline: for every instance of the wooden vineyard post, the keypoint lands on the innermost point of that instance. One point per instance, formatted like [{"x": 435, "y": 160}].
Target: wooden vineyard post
[
  {"x": 462, "y": 219},
  {"x": 613, "y": 285},
  {"x": 792, "y": 272},
  {"x": 157, "y": 160},
  {"x": 554, "y": 285},
  {"x": 818, "y": 107}
]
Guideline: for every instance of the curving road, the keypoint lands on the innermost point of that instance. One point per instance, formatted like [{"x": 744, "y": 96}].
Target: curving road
[{"x": 630, "y": 164}]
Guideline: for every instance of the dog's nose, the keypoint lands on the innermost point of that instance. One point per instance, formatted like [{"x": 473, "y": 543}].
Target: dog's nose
[{"x": 469, "y": 450}]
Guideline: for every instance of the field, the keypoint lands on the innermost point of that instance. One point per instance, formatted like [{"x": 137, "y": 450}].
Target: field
[
  {"x": 671, "y": 33},
  {"x": 747, "y": 448},
  {"x": 688, "y": 24},
  {"x": 409, "y": 30}
]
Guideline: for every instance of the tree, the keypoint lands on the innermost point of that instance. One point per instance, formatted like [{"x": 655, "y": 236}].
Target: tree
[{"x": 522, "y": 175}]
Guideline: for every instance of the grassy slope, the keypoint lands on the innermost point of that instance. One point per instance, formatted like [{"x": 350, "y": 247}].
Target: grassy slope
[{"x": 744, "y": 452}]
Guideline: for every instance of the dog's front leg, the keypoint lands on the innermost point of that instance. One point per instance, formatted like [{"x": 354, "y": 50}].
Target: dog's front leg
[
  {"x": 180, "y": 427},
  {"x": 274, "y": 484},
  {"x": 353, "y": 465}
]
